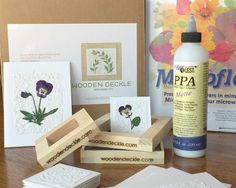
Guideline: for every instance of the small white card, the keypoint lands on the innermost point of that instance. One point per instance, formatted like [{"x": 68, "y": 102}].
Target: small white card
[
  {"x": 101, "y": 55},
  {"x": 63, "y": 176},
  {"x": 130, "y": 114},
  {"x": 37, "y": 97},
  {"x": 157, "y": 177}
]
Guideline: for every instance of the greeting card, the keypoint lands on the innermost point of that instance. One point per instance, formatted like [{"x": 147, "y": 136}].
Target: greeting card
[
  {"x": 37, "y": 97},
  {"x": 130, "y": 114}
]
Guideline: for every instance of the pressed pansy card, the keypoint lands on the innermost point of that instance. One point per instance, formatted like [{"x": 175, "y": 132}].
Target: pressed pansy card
[
  {"x": 37, "y": 97},
  {"x": 130, "y": 114}
]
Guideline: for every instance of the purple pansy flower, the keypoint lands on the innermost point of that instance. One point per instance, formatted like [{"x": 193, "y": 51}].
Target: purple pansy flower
[
  {"x": 37, "y": 116},
  {"x": 25, "y": 94},
  {"x": 125, "y": 111},
  {"x": 43, "y": 88}
]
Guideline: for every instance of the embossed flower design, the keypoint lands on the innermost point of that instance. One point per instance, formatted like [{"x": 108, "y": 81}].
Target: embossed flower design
[
  {"x": 126, "y": 111},
  {"x": 43, "y": 89}
]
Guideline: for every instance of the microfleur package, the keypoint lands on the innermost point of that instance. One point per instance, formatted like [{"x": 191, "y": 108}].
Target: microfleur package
[{"x": 167, "y": 19}]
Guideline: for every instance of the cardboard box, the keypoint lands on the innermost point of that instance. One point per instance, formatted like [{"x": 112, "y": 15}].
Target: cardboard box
[
  {"x": 90, "y": 154},
  {"x": 165, "y": 22},
  {"x": 77, "y": 11}
]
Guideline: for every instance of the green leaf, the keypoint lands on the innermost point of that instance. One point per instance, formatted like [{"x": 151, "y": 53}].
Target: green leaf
[
  {"x": 44, "y": 109},
  {"x": 110, "y": 70},
  {"x": 135, "y": 122},
  {"x": 50, "y": 112},
  {"x": 39, "y": 111},
  {"x": 230, "y": 3},
  {"x": 156, "y": 10},
  {"x": 34, "y": 113},
  {"x": 182, "y": 24},
  {"x": 172, "y": 26},
  {"x": 27, "y": 114},
  {"x": 94, "y": 52},
  {"x": 109, "y": 59},
  {"x": 163, "y": 13},
  {"x": 28, "y": 119},
  {"x": 159, "y": 24},
  {"x": 92, "y": 69},
  {"x": 110, "y": 65},
  {"x": 96, "y": 62},
  {"x": 106, "y": 68}
]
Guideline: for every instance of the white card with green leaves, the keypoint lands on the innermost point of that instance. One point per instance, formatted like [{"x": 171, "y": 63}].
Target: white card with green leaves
[{"x": 130, "y": 114}]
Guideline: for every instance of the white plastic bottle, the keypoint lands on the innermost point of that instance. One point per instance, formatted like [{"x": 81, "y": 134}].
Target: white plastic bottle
[{"x": 190, "y": 95}]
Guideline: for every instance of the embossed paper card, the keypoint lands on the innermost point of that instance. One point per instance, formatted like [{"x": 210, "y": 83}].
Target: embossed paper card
[
  {"x": 130, "y": 114},
  {"x": 63, "y": 176},
  {"x": 37, "y": 97},
  {"x": 103, "y": 56},
  {"x": 157, "y": 177}
]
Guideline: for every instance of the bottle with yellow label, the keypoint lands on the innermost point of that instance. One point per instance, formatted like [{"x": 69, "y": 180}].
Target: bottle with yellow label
[{"x": 190, "y": 94}]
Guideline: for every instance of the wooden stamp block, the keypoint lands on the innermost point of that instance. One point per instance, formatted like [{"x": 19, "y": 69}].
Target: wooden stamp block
[
  {"x": 65, "y": 138},
  {"x": 148, "y": 141},
  {"x": 89, "y": 154}
]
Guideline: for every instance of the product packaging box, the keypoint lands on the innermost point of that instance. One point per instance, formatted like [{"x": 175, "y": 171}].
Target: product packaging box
[
  {"x": 216, "y": 19},
  {"x": 101, "y": 39}
]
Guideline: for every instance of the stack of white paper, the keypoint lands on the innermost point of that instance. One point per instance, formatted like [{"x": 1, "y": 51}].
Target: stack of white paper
[
  {"x": 157, "y": 177},
  {"x": 63, "y": 176}
]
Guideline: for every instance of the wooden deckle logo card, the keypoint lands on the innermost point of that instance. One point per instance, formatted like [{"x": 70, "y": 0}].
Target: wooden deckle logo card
[{"x": 101, "y": 61}]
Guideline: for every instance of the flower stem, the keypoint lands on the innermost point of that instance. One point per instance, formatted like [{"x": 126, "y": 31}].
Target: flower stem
[
  {"x": 131, "y": 122},
  {"x": 36, "y": 111},
  {"x": 40, "y": 103}
]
